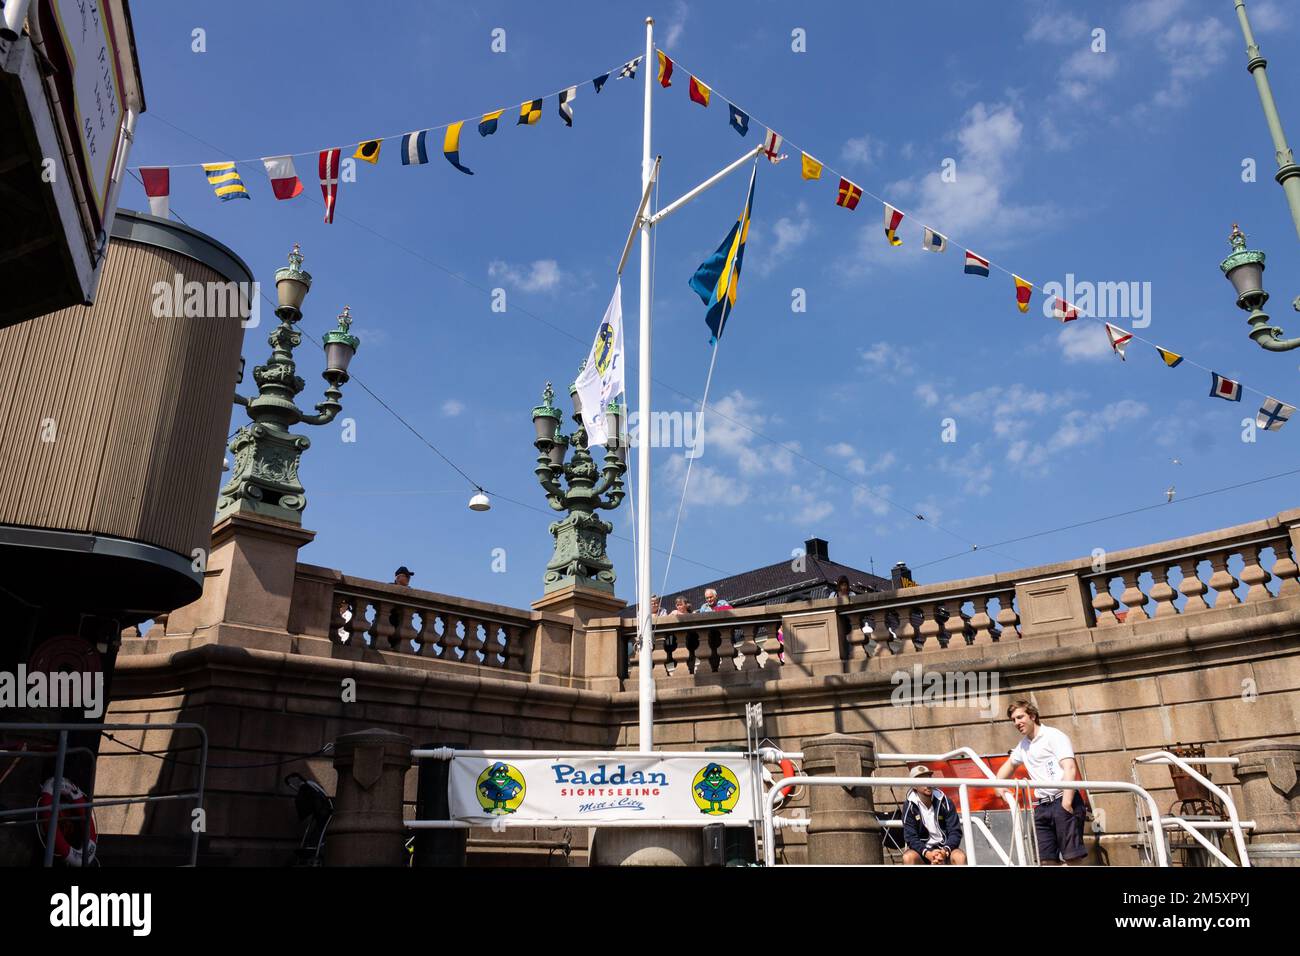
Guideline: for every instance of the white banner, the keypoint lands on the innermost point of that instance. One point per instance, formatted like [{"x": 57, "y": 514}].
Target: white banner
[
  {"x": 601, "y": 379},
  {"x": 709, "y": 788}
]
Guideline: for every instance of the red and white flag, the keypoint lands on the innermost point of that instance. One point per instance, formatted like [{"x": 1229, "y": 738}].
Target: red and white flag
[
  {"x": 1118, "y": 338},
  {"x": 284, "y": 178},
  {"x": 772, "y": 147},
  {"x": 158, "y": 187},
  {"x": 329, "y": 180},
  {"x": 1065, "y": 311}
]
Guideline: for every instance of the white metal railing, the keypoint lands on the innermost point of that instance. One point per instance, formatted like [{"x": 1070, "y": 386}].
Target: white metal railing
[
  {"x": 961, "y": 783},
  {"x": 1233, "y": 823}
]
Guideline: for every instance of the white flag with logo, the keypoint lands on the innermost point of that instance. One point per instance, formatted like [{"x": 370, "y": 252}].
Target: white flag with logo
[{"x": 602, "y": 377}]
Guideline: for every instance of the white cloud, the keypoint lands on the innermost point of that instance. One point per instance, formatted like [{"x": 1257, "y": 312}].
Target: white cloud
[
  {"x": 543, "y": 275},
  {"x": 875, "y": 503},
  {"x": 1267, "y": 16},
  {"x": 812, "y": 508},
  {"x": 451, "y": 408},
  {"x": 1084, "y": 71},
  {"x": 861, "y": 150},
  {"x": 709, "y": 486},
  {"x": 1192, "y": 50},
  {"x": 889, "y": 361},
  {"x": 1084, "y": 341},
  {"x": 790, "y": 233},
  {"x": 973, "y": 470},
  {"x": 675, "y": 24},
  {"x": 724, "y": 436},
  {"x": 927, "y": 394},
  {"x": 1056, "y": 26},
  {"x": 851, "y": 457}
]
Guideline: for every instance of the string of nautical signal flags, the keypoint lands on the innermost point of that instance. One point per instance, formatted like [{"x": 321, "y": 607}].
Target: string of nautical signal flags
[
  {"x": 413, "y": 149},
  {"x": 1273, "y": 413}
]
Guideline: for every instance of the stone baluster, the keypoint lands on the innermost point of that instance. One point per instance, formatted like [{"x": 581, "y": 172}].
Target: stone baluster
[
  {"x": 1008, "y": 618},
  {"x": 749, "y": 649},
  {"x": 731, "y": 648},
  {"x": 491, "y": 644},
  {"x": 450, "y": 639},
  {"x": 402, "y": 630},
  {"x": 1285, "y": 568},
  {"x": 1254, "y": 576},
  {"x": 1162, "y": 592},
  {"x": 1222, "y": 581},
  {"x": 908, "y": 634},
  {"x": 382, "y": 632},
  {"x": 661, "y": 655},
  {"x": 358, "y": 625},
  {"x": 712, "y": 641},
  {"x": 955, "y": 627},
  {"x": 473, "y": 643},
  {"x": 1133, "y": 598},
  {"x": 773, "y": 647},
  {"x": 1192, "y": 587},
  {"x": 981, "y": 622},
  {"x": 336, "y": 618},
  {"x": 1104, "y": 603},
  {"x": 854, "y": 640}
]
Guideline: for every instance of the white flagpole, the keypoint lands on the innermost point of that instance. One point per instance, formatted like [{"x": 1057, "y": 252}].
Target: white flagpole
[{"x": 645, "y": 633}]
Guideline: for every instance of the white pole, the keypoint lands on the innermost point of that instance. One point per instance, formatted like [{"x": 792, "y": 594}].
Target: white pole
[
  {"x": 717, "y": 177},
  {"x": 645, "y": 634}
]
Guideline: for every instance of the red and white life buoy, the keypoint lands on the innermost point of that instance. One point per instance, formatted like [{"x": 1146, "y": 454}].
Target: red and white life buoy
[{"x": 76, "y": 836}]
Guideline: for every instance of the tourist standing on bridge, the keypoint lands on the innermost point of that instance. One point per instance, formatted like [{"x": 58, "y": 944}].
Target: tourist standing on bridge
[
  {"x": 714, "y": 603},
  {"x": 1058, "y": 814}
]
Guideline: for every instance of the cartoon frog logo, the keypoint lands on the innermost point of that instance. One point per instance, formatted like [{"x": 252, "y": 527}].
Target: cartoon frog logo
[
  {"x": 500, "y": 788},
  {"x": 715, "y": 790}
]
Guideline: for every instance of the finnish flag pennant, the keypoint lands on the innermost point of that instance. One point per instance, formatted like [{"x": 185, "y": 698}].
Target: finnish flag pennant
[
  {"x": 1273, "y": 414},
  {"x": 1224, "y": 388}
]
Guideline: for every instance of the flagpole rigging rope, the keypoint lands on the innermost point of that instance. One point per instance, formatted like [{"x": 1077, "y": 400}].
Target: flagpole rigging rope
[
  {"x": 867, "y": 192},
  {"x": 427, "y": 129},
  {"x": 704, "y": 399}
]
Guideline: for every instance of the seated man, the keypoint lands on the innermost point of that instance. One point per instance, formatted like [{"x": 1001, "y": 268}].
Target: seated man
[{"x": 931, "y": 825}]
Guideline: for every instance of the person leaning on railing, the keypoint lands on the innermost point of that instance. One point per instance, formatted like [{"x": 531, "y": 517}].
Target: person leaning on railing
[{"x": 1058, "y": 814}]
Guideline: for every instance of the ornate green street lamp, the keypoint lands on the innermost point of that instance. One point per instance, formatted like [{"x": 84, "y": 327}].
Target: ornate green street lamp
[
  {"x": 580, "y": 556},
  {"x": 266, "y": 453},
  {"x": 1244, "y": 267}
]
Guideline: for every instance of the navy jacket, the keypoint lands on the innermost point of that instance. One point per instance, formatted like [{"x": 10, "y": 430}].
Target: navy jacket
[{"x": 916, "y": 836}]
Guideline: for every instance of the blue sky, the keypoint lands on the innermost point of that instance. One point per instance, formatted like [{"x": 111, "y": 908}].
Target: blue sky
[{"x": 1115, "y": 166}]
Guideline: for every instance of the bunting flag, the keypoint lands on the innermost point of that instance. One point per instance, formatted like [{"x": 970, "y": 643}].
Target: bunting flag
[
  {"x": 628, "y": 70},
  {"x": 369, "y": 151},
  {"x": 1119, "y": 339},
  {"x": 488, "y": 124},
  {"x": 892, "y": 220},
  {"x": 284, "y": 178},
  {"x": 934, "y": 241},
  {"x": 849, "y": 194},
  {"x": 772, "y": 147},
  {"x": 1172, "y": 359},
  {"x": 1224, "y": 388},
  {"x": 1064, "y": 311},
  {"x": 414, "y": 152},
  {"x": 225, "y": 181},
  {"x": 530, "y": 111},
  {"x": 599, "y": 81},
  {"x": 1273, "y": 414},
  {"x": 975, "y": 266},
  {"x": 328, "y": 164},
  {"x": 812, "y": 169},
  {"x": 716, "y": 278},
  {"x": 566, "y": 104},
  {"x": 738, "y": 119},
  {"x": 158, "y": 187},
  {"x": 1023, "y": 291},
  {"x": 699, "y": 92},
  {"x": 451, "y": 147},
  {"x": 665, "y": 70}
]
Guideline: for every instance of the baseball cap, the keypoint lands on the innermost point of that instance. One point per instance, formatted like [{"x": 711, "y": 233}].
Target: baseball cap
[{"x": 921, "y": 771}]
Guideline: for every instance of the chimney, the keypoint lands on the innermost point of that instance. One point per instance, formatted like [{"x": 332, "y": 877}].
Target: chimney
[
  {"x": 902, "y": 576},
  {"x": 816, "y": 548}
]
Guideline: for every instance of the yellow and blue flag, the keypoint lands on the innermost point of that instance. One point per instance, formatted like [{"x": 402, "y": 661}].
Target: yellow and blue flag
[
  {"x": 225, "y": 181},
  {"x": 716, "y": 279},
  {"x": 451, "y": 147},
  {"x": 488, "y": 124}
]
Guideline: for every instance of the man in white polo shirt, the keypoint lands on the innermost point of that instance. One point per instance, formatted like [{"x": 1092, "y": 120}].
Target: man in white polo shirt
[{"x": 1058, "y": 814}]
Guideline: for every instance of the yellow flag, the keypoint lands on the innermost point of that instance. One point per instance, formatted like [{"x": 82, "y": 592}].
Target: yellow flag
[
  {"x": 811, "y": 168},
  {"x": 369, "y": 150}
]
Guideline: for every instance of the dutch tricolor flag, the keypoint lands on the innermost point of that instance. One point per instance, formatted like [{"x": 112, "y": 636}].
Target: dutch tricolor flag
[{"x": 975, "y": 266}]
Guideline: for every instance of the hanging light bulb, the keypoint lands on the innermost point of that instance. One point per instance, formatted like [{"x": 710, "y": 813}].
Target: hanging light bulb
[{"x": 480, "y": 502}]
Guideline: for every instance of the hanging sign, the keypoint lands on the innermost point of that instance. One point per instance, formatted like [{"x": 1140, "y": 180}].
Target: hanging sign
[{"x": 709, "y": 787}]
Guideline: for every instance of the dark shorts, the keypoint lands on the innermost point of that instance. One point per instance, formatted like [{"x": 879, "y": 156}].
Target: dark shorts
[{"x": 1060, "y": 834}]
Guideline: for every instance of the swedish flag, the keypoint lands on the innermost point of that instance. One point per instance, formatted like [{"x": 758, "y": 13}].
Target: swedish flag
[
  {"x": 716, "y": 279},
  {"x": 225, "y": 181}
]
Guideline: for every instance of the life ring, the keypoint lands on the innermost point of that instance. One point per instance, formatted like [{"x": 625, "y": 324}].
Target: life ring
[
  {"x": 787, "y": 770},
  {"x": 76, "y": 822}
]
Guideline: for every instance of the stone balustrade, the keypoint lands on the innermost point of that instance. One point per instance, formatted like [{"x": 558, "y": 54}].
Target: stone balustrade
[{"x": 1218, "y": 570}]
